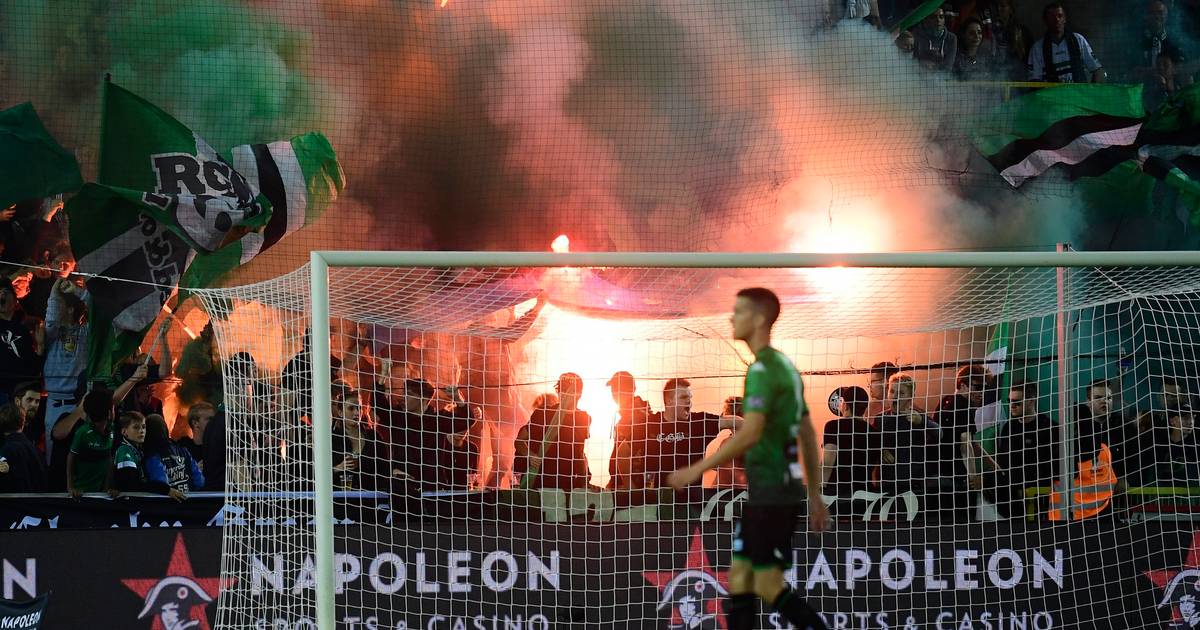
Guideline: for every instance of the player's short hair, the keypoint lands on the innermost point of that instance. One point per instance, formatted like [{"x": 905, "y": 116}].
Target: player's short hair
[
  {"x": 1100, "y": 382},
  {"x": 98, "y": 405},
  {"x": 27, "y": 386},
  {"x": 341, "y": 390},
  {"x": 902, "y": 378},
  {"x": 129, "y": 417},
  {"x": 196, "y": 409},
  {"x": 968, "y": 372},
  {"x": 574, "y": 379},
  {"x": 733, "y": 406},
  {"x": 1050, "y": 6},
  {"x": 1028, "y": 389},
  {"x": 674, "y": 384},
  {"x": 856, "y": 397},
  {"x": 885, "y": 370},
  {"x": 764, "y": 300},
  {"x": 10, "y": 419}
]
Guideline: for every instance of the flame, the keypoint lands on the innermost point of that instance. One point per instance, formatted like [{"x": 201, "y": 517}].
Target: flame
[
  {"x": 863, "y": 227},
  {"x": 444, "y": 3},
  {"x": 561, "y": 244}
]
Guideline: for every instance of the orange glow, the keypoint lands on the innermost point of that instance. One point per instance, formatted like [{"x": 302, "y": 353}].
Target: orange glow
[
  {"x": 561, "y": 244},
  {"x": 863, "y": 227},
  {"x": 444, "y": 3}
]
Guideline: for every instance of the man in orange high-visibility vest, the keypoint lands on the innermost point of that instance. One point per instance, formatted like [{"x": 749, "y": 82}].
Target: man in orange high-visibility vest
[{"x": 1095, "y": 480}]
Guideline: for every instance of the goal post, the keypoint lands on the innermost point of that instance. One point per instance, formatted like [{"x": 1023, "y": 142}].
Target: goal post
[{"x": 928, "y": 314}]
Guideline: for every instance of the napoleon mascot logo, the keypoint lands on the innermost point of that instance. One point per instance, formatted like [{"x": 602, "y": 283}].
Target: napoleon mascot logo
[
  {"x": 691, "y": 598},
  {"x": 179, "y": 600},
  {"x": 1181, "y": 588}
]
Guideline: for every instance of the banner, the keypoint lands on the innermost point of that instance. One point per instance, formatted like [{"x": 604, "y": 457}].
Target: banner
[
  {"x": 25, "y": 615},
  {"x": 441, "y": 576}
]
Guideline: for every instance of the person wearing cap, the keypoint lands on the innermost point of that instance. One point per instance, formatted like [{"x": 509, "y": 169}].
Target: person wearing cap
[
  {"x": 850, "y": 451},
  {"x": 633, "y": 413},
  {"x": 956, "y": 500}
]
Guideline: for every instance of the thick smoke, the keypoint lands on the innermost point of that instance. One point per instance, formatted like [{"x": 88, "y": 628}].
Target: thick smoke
[{"x": 674, "y": 125}]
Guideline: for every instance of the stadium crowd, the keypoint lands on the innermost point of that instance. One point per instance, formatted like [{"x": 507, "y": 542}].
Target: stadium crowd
[
  {"x": 466, "y": 431},
  {"x": 427, "y": 415},
  {"x": 988, "y": 41}
]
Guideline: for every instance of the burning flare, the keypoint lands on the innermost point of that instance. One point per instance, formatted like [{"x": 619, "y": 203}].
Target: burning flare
[{"x": 561, "y": 244}]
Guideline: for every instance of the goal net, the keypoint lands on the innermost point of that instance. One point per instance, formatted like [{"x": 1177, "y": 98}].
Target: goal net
[{"x": 1002, "y": 447}]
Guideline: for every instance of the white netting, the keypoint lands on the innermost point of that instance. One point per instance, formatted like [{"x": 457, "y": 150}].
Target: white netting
[{"x": 943, "y": 512}]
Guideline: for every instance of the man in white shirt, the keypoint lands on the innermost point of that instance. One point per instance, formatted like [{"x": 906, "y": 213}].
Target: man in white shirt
[{"x": 1062, "y": 56}]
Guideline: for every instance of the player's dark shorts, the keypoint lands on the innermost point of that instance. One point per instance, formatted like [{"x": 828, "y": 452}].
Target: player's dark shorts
[{"x": 764, "y": 535}]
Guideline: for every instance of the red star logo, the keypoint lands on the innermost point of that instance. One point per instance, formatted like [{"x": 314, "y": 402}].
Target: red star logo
[
  {"x": 179, "y": 566},
  {"x": 1162, "y": 577},
  {"x": 697, "y": 560}
]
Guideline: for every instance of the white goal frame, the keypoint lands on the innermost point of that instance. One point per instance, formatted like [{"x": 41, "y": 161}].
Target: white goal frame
[{"x": 321, "y": 261}]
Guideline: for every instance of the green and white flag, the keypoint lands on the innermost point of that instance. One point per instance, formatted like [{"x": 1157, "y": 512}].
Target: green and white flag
[
  {"x": 163, "y": 197},
  {"x": 33, "y": 163},
  {"x": 300, "y": 178},
  {"x": 1100, "y": 136}
]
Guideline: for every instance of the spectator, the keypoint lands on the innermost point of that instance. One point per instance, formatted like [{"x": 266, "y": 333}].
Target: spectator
[
  {"x": 487, "y": 371},
  {"x": 632, "y": 415},
  {"x": 956, "y": 412},
  {"x": 975, "y": 57},
  {"x": 65, "y": 430},
  {"x": 28, "y": 399},
  {"x": 168, "y": 464},
  {"x": 358, "y": 453},
  {"x": 213, "y": 453},
  {"x": 130, "y": 471},
  {"x": 956, "y": 415},
  {"x": 1175, "y": 393},
  {"x": 1009, "y": 39},
  {"x": 66, "y": 351},
  {"x": 521, "y": 445},
  {"x": 412, "y": 438},
  {"x": 733, "y": 473},
  {"x": 909, "y": 440},
  {"x": 89, "y": 462},
  {"x": 198, "y": 417},
  {"x": 877, "y": 384},
  {"x": 1154, "y": 40},
  {"x": 1164, "y": 82},
  {"x": 935, "y": 46},
  {"x": 19, "y": 359},
  {"x": 54, "y": 264},
  {"x": 199, "y": 370},
  {"x": 1177, "y": 456},
  {"x": 557, "y": 434},
  {"x": 851, "y": 448},
  {"x": 1027, "y": 448},
  {"x": 676, "y": 438},
  {"x": 906, "y": 44},
  {"x": 1130, "y": 443},
  {"x": 1095, "y": 479},
  {"x": 1061, "y": 55},
  {"x": 25, "y": 473}
]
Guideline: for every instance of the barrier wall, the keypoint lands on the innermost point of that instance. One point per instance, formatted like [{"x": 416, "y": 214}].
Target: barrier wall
[{"x": 453, "y": 574}]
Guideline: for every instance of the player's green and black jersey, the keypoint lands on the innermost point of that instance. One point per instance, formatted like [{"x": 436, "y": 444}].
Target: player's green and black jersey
[{"x": 773, "y": 388}]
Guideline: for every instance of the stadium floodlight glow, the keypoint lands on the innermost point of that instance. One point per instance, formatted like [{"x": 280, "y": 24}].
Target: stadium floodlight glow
[{"x": 488, "y": 332}]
